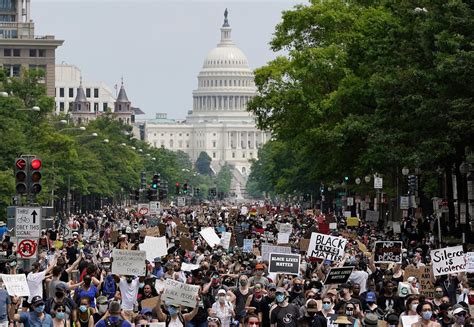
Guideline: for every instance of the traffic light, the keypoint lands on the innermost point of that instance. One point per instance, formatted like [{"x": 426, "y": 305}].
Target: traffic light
[
  {"x": 149, "y": 194},
  {"x": 35, "y": 175},
  {"x": 412, "y": 184},
  {"x": 155, "y": 183},
  {"x": 346, "y": 179},
  {"x": 21, "y": 170},
  {"x": 143, "y": 179},
  {"x": 185, "y": 188},
  {"x": 177, "y": 188}
]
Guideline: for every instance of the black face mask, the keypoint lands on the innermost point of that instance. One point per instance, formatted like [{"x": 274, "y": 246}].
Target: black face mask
[
  {"x": 59, "y": 295},
  {"x": 297, "y": 287}
]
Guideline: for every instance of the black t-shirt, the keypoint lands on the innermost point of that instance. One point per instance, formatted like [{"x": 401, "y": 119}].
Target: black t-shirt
[
  {"x": 265, "y": 306},
  {"x": 285, "y": 316},
  {"x": 202, "y": 314}
]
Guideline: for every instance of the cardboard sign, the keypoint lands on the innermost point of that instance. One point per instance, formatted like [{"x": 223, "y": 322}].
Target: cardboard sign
[
  {"x": 284, "y": 263},
  {"x": 16, "y": 285},
  {"x": 388, "y": 251},
  {"x": 186, "y": 243},
  {"x": 129, "y": 263},
  {"x": 210, "y": 236},
  {"x": 162, "y": 229},
  {"x": 304, "y": 244},
  {"x": 153, "y": 231},
  {"x": 225, "y": 240},
  {"x": 338, "y": 275},
  {"x": 448, "y": 260},
  {"x": 372, "y": 216},
  {"x": 150, "y": 303},
  {"x": 283, "y": 238},
  {"x": 268, "y": 248},
  {"x": 326, "y": 247},
  {"x": 352, "y": 222},
  {"x": 188, "y": 267},
  {"x": 248, "y": 245},
  {"x": 154, "y": 247},
  {"x": 180, "y": 293}
]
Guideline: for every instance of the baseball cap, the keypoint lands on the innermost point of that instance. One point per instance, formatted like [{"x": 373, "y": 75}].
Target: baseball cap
[
  {"x": 272, "y": 287},
  {"x": 157, "y": 260},
  {"x": 145, "y": 311},
  {"x": 311, "y": 305},
  {"x": 370, "y": 319},
  {"x": 37, "y": 300},
  {"x": 221, "y": 291},
  {"x": 61, "y": 287},
  {"x": 102, "y": 300},
  {"x": 458, "y": 308},
  {"x": 370, "y": 297},
  {"x": 259, "y": 266}
]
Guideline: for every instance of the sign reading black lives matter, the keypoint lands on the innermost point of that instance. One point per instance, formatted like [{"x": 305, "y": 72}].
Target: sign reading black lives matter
[
  {"x": 338, "y": 275},
  {"x": 388, "y": 251},
  {"x": 326, "y": 247},
  {"x": 284, "y": 263}
]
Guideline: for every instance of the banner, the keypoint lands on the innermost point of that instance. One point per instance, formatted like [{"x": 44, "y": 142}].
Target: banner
[
  {"x": 154, "y": 247},
  {"x": 128, "y": 263},
  {"x": 180, "y": 293},
  {"x": 248, "y": 245},
  {"x": 268, "y": 248},
  {"x": 284, "y": 263},
  {"x": 448, "y": 260},
  {"x": 338, "y": 275},
  {"x": 210, "y": 236},
  {"x": 388, "y": 251},
  {"x": 16, "y": 285},
  {"x": 326, "y": 247}
]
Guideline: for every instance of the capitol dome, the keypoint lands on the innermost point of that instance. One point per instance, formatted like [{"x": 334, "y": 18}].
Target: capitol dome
[{"x": 225, "y": 82}]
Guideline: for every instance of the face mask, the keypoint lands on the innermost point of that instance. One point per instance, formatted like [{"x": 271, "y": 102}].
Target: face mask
[
  {"x": 413, "y": 307},
  {"x": 60, "y": 315},
  {"x": 280, "y": 298},
  {"x": 129, "y": 280},
  {"x": 427, "y": 315},
  {"x": 102, "y": 308},
  {"x": 460, "y": 320},
  {"x": 107, "y": 267},
  {"x": 326, "y": 306},
  {"x": 349, "y": 313},
  {"x": 243, "y": 282},
  {"x": 221, "y": 299},
  {"x": 39, "y": 309},
  {"x": 83, "y": 308},
  {"x": 141, "y": 285},
  {"x": 172, "y": 311},
  {"x": 59, "y": 295},
  {"x": 438, "y": 295}
]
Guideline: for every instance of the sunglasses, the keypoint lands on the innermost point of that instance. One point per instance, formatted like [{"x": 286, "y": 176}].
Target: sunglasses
[
  {"x": 460, "y": 314},
  {"x": 253, "y": 323},
  {"x": 213, "y": 319},
  {"x": 60, "y": 310},
  {"x": 350, "y": 309},
  {"x": 326, "y": 302}
]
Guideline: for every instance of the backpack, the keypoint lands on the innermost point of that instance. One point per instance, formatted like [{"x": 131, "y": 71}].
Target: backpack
[
  {"x": 109, "y": 287},
  {"x": 109, "y": 323},
  {"x": 180, "y": 317}
]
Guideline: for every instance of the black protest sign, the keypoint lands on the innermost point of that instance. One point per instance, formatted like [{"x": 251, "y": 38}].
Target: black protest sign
[
  {"x": 281, "y": 263},
  {"x": 388, "y": 251},
  {"x": 338, "y": 275}
]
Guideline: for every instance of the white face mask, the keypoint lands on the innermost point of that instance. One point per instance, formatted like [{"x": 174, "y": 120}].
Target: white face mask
[{"x": 413, "y": 307}]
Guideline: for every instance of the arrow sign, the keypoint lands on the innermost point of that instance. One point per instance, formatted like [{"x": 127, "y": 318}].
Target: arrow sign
[
  {"x": 20, "y": 164},
  {"x": 34, "y": 214}
]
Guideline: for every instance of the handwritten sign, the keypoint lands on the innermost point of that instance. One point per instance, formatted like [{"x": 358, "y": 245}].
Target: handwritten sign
[
  {"x": 326, "y": 247},
  {"x": 225, "y": 240},
  {"x": 448, "y": 260},
  {"x": 268, "y": 248},
  {"x": 16, "y": 285},
  {"x": 128, "y": 263},
  {"x": 248, "y": 245},
  {"x": 154, "y": 247},
  {"x": 388, "y": 251},
  {"x": 470, "y": 262},
  {"x": 283, "y": 238},
  {"x": 210, "y": 236},
  {"x": 285, "y": 228},
  {"x": 180, "y": 293}
]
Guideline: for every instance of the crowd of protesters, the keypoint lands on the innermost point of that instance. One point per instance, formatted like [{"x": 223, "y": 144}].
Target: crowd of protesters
[{"x": 72, "y": 283}]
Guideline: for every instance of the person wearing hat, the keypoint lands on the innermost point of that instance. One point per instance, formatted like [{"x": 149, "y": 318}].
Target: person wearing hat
[
  {"x": 102, "y": 306},
  {"x": 284, "y": 313},
  {"x": 60, "y": 298},
  {"x": 345, "y": 296},
  {"x": 266, "y": 304},
  {"x": 342, "y": 320},
  {"x": 34, "y": 318},
  {"x": 460, "y": 315},
  {"x": 258, "y": 277},
  {"x": 3, "y": 229},
  {"x": 113, "y": 317},
  {"x": 309, "y": 316},
  {"x": 158, "y": 271},
  {"x": 350, "y": 311},
  {"x": 370, "y": 320},
  {"x": 370, "y": 305},
  {"x": 224, "y": 309}
]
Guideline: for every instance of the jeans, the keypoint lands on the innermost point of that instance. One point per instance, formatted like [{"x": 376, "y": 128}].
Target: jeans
[{"x": 196, "y": 324}]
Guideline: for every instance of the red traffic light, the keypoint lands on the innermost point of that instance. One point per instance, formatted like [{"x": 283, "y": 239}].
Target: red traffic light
[
  {"x": 35, "y": 164},
  {"x": 20, "y": 164},
  {"x": 177, "y": 184}
]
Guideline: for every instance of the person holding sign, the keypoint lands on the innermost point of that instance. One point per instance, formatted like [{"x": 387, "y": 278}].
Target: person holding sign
[{"x": 175, "y": 318}]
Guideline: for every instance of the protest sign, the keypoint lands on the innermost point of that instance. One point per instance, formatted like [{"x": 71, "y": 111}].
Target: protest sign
[
  {"x": 283, "y": 238},
  {"x": 326, "y": 247},
  {"x": 396, "y": 227},
  {"x": 186, "y": 243},
  {"x": 347, "y": 214},
  {"x": 180, "y": 293},
  {"x": 388, "y": 251},
  {"x": 448, "y": 260},
  {"x": 333, "y": 226},
  {"x": 210, "y": 236},
  {"x": 188, "y": 267},
  {"x": 16, "y": 284},
  {"x": 470, "y": 262},
  {"x": 225, "y": 240},
  {"x": 424, "y": 276},
  {"x": 371, "y": 216},
  {"x": 154, "y": 247},
  {"x": 284, "y": 263},
  {"x": 248, "y": 245},
  {"x": 129, "y": 263},
  {"x": 162, "y": 229},
  {"x": 352, "y": 221},
  {"x": 150, "y": 303},
  {"x": 408, "y": 321},
  {"x": 304, "y": 244},
  {"x": 285, "y": 228},
  {"x": 153, "y": 231},
  {"x": 404, "y": 289},
  {"x": 159, "y": 285},
  {"x": 338, "y": 275},
  {"x": 268, "y": 248}
]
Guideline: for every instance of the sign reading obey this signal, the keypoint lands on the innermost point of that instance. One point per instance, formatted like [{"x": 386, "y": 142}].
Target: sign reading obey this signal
[{"x": 284, "y": 263}]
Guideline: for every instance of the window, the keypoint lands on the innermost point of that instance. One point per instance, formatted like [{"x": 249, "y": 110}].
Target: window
[
  {"x": 105, "y": 105},
  {"x": 243, "y": 155},
  {"x": 162, "y": 144},
  {"x": 233, "y": 154},
  {"x": 251, "y": 154},
  {"x": 61, "y": 92},
  {"x": 214, "y": 134},
  {"x": 7, "y": 52},
  {"x": 96, "y": 93},
  {"x": 41, "y": 53},
  {"x": 162, "y": 134},
  {"x": 213, "y": 144},
  {"x": 214, "y": 155},
  {"x": 71, "y": 105},
  {"x": 33, "y": 52},
  {"x": 88, "y": 93},
  {"x": 180, "y": 134},
  {"x": 16, "y": 53},
  {"x": 187, "y": 144},
  {"x": 96, "y": 107},
  {"x": 71, "y": 92},
  {"x": 171, "y": 134},
  {"x": 61, "y": 106}
]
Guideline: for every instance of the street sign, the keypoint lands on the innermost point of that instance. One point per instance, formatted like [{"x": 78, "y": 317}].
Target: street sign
[
  {"x": 27, "y": 248},
  {"x": 154, "y": 207},
  {"x": 181, "y": 201},
  {"x": 28, "y": 222},
  {"x": 378, "y": 183},
  {"x": 404, "y": 202},
  {"x": 143, "y": 209}
]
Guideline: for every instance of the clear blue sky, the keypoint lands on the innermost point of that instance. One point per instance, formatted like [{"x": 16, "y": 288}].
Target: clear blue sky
[{"x": 157, "y": 45}]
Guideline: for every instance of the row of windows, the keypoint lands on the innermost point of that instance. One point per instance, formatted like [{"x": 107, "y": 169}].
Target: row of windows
[
  {"x": 71, "y": 105},
  {"x": 71, "y": 92},
  {"x": 211, "y": 83},
  {"x": 15, "y": 70},
  {"x": 17, "y": 52},
  {"x": 225, "y": 62}
]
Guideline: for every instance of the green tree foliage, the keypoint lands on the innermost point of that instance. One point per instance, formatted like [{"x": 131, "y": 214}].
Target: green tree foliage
[
  {"x": 203, "y": 164},
  {"x": 223, "y": 179}
]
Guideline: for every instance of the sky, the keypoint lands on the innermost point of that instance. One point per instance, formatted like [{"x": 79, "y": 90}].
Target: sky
[{"x": 158, "y": 46}]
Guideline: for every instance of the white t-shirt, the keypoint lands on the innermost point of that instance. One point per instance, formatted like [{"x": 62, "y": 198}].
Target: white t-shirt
[
  {"x": 35, "y": 284},
  {"x": 129, "y": 293},
  {"x": 359, "y": 277}
]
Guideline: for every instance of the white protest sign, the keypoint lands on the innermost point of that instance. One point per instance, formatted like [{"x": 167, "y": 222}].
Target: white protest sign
[
  {"x": 347, "y": 214},
  {"x": 225, "y": 240},
  {"x": 180, "y": 293},
  {"x": 448, "y": 260},
  {"x": 154, "y": 247},
  {"x": 326, "y": 247},
  {"x": 332, "y": 226},
  {"x": 268, "y": 248},
  {"x": 188, "y": 267},
  {"x": 210, "y": 236},
  {"x": 244, "y": 211},
  {"x": 285, "y": 228},
  {"x": 283, "y": 238},
  {"x": 159, "y": 285},
  {"x": 16, "y": 285},
  {"x": 408, "y": 321},
  {"x": 470, "y": 262},
  {"x": 248, "y": 245},
  {"x": 128, "y": 262}
]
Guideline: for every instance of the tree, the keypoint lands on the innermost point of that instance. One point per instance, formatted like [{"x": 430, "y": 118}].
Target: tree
[
  {"x": 223, "y": 180},
  {"x": 203, "y": 164}
]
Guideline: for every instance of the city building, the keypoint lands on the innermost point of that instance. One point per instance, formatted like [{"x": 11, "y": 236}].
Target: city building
[
  {"x": 20, "y": 48},
  {"x": 68, "y": 79},
  {"x": 219, "y": 123}
]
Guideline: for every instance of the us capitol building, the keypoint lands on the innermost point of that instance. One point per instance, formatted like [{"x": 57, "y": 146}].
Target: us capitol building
[{"x": 219, "y": 123}]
